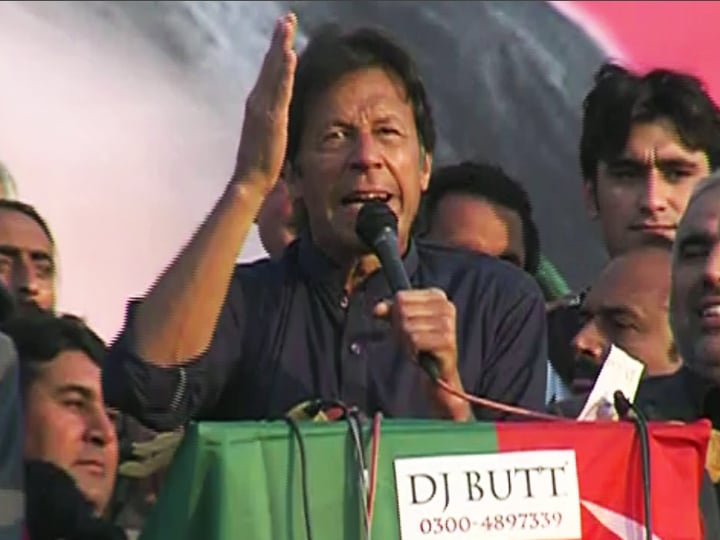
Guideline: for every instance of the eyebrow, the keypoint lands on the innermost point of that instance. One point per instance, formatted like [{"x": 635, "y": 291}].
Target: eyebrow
[
  {"x": 74, "y": 388},
  {"x": 628, "y": 162},
  {"x": 615, "y": 311},
  {"x": 347, "y": 124}
]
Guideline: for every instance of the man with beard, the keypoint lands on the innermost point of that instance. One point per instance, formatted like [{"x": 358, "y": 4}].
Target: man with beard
[{"x": 27, "y": 257}]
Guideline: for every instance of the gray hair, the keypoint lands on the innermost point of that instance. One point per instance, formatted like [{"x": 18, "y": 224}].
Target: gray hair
[{"x": 8, "y": 187}]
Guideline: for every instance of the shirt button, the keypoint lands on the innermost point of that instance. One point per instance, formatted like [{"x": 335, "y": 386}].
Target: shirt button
[
  {"x": 344, "y": 302},
  {"x": 355, "y": 347}
]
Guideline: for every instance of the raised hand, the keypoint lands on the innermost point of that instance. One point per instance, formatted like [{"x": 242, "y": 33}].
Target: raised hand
[{"x": 264, "y": 134}]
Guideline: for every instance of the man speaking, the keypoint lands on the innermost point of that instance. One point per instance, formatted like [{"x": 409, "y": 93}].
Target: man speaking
[{"x": 212, "y": 340}]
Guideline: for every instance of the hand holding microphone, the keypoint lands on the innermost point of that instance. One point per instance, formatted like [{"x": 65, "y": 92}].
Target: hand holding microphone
[{"x": 423, "y": 318}]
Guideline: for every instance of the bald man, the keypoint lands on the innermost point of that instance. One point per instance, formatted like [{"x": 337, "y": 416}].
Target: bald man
[{"x": 628, "y": 307}]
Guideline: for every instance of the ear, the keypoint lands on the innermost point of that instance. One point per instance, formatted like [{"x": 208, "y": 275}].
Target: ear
[
  {"x": 590, "y": 198},
  {"x": 425, "y": 168}
]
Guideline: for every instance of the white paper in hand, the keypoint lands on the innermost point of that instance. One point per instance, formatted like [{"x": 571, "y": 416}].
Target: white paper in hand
[{"x": 619, "y": 372}]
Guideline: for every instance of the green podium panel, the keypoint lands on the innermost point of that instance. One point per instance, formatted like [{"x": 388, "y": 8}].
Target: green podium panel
[{"x": 242, "y": 480}]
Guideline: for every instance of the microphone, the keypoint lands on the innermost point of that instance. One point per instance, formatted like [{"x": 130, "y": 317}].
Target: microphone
[{"x": 377, "y": 226}]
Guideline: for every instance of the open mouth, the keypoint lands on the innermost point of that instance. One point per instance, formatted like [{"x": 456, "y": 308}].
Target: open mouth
[
  {"x": 711, "y": 311},
  {"x": 709, "y": 314},
  {"x": 361, "y": 197}
]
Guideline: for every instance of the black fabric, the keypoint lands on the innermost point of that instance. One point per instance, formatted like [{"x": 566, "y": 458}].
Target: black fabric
[
  {"x": 56, "y": 510},
  {"x": 288, "y": 333},
  {"x": 563, "y": 324}
]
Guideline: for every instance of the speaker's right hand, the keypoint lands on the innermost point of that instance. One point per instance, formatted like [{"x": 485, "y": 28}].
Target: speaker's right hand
[{"x": 264, "y": 133}]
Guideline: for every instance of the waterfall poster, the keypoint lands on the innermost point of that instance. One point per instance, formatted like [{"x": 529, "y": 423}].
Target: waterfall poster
[{"x": 119, "y": 121}]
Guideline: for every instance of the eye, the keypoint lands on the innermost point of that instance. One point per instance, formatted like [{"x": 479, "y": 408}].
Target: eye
[
  {"x": 335, "y": 136},
  {"x": 45, "y": 269},
  {"x": 112, "y": 414},
  {"x": 75, "y": 404},
  {"x": 674, "y": 174},
  {"x": 622, "y": 322},
  {"x": 388, "y": 130}
]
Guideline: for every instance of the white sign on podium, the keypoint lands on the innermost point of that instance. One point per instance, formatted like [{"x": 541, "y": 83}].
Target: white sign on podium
[{"x": 531, "y": 495}]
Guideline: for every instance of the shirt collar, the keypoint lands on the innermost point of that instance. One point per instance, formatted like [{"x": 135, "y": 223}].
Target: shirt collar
[{"x": 321, "y": 269}]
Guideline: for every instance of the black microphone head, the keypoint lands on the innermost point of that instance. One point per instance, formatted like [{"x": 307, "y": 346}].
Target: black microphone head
[{"x": 374, "y": 217}]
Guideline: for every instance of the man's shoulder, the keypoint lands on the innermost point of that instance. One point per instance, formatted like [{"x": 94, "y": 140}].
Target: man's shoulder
[
  {"x": 266, "y": 271},
  {"x": 452, "y": 264},
  {"x": 258, "y": 269}
]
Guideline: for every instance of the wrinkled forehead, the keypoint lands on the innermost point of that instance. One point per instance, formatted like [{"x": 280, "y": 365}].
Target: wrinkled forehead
[
  {"x": 71, "y": 368},
  {"x": 23, "y": 232}
]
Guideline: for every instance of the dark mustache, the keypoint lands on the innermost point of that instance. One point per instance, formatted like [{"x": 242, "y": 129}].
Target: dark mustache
[{"x": 586, "y": 368}]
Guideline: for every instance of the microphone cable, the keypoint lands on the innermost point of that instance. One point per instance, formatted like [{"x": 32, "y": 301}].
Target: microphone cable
[
  {"x": 496, "y": 405},
  {"x": 295, "y": 428},
  {"x": 624, "y": 406},
  {"x": 352, "y": 417},
  {"x": 353, "y": 420}
]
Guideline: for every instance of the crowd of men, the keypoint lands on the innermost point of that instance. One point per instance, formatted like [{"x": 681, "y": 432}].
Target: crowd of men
[{"x": 347, "y": 122}]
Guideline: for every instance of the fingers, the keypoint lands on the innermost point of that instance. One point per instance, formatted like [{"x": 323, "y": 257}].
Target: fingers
[
  {"x": 280, "y": 58},
  {"x": 288, "y": 26},
  {"x": 429, "y": 340},
  {"x": 421, "y": 325},
  {"x": 416, "y": 303},
  {"x": 423, "y": 303},
  {"x": 264, "y": 134},
  {"x": 424, "y": 319}
]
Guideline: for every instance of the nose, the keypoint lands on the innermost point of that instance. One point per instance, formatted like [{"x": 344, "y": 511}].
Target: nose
[
  {"x": 654, "y": 196},
  {"x": 366, "y": 153},
  {"x": 25, "y": 278},
  {"x": 711, "y": 272},
  {"x": 589, "y": 343},
  {"x": 100, "y": 429}
]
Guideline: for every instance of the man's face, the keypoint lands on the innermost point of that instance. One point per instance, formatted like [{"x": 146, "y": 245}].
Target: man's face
[
  {"x": 695, "y": 301},
  {"x": 644, "y": 191},
  {"x": 274, "y": 220},
  {"x": 628, "y": 307},
  {"x": 67, "y": 425},
  {"x": 469, "y": 222},
  {"x": 27, "y": 267},
  {"x": 359, "y": 142}
]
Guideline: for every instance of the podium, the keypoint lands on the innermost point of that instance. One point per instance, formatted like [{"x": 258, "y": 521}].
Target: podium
[{"x": 242, "y": 480}]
